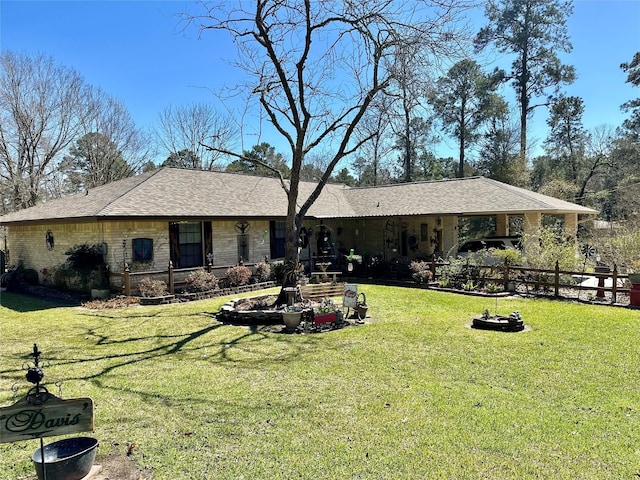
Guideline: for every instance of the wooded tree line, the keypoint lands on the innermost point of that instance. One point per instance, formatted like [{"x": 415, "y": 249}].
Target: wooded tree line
[{"x": 413, "y": 85}]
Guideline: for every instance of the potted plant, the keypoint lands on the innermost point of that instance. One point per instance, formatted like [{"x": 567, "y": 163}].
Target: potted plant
[
  {"x": 325, "y": 312},
  {"x": 291, "y": 316},
  {"x": 99, "y": 282}
]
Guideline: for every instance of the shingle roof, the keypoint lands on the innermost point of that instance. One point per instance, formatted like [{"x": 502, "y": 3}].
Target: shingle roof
[
  {"x": 177, "y": 193},
  {"x": 469, "y": 196}
]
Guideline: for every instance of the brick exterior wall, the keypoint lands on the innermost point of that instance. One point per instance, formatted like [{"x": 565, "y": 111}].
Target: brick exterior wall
[{"x": 26, "y": 243}]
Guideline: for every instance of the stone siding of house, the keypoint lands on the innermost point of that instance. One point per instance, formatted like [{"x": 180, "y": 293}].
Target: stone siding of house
[
  {"x": 225, "y": 242},
  {"x": 26, "y": 243}
]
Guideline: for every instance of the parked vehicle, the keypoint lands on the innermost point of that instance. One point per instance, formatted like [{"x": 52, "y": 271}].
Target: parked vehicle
[{"x": 484, "y": 244}]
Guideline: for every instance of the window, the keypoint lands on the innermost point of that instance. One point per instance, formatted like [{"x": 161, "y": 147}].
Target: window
[
  {"x": 142, "y": 249},
  {"x": 424, "y": 232},
  {"x": 278, "y": 232},
  {"x": 186, "y": 244}
]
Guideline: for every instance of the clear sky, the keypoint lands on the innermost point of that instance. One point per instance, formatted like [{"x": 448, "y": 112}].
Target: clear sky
[{"x": 136, "y": 51}]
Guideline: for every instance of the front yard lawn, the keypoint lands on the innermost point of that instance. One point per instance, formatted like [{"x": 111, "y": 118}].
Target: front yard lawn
[{"x": 413, "y": 394}]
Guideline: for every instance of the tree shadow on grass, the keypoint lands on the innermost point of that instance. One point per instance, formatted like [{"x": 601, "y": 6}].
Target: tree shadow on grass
[
  {"x": 218, "y": 350},
  {"x": 23, "y": 303}
]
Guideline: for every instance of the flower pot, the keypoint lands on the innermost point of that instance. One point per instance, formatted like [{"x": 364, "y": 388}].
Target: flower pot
[
  {"x": 325, "y": 318},
  {"x": 291, "y": 320},
  {"x": 100, "y": 293}
]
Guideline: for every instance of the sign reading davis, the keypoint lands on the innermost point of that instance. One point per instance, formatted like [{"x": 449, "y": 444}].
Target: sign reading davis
[{"x": 54, "y": 416}]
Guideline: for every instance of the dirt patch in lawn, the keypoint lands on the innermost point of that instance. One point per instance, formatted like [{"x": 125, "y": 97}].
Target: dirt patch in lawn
[{"x": 118, "y": 466}]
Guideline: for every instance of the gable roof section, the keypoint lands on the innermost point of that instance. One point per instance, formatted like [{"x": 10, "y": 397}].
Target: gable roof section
[
  {"x": 468, "y": 196},
  {"x": 178, "y": 193}
]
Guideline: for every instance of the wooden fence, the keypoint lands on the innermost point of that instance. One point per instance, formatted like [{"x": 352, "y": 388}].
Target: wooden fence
[
  {"x": 173, "y": 277},
  {"x": 539, "y": 278},
  {"x": 505, "y": 275}
]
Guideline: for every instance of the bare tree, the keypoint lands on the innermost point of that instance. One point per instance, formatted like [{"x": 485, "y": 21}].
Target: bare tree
[
  {"x": 191, "y": 127},
  {"x": 375, "y": 152},
  {"x": 110, "y": 117},
  {"x": 316, "y": 67},
  {"x": 111, "y": 146},
  {"x": 410, "y": 86},
  {"x": 41, "y": 112}
]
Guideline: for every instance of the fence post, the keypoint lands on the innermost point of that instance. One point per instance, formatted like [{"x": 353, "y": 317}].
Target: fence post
[
  {"x": 614, "y": 287},
  {"x": 127, "y": 280},
  {"x": 557, "y": 280},
  {"x": 506, "y": 276},
  {"x": 170, "y": 277},
  {"x": 209, "y": 267}
]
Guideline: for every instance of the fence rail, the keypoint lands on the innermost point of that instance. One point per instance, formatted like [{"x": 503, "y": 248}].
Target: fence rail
[
  {"x": 503, "y": 274},
  {"x": 174, "y": 277},
  {"x": 548, "y": 279}
]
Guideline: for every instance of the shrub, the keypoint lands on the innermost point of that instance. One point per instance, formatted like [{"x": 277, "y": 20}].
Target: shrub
[
  {"x": 620, "y": 245},
  {"x": 492, "y": 288},
  {"x": 545, "y": 247},
  {"x": 202, "y": 281},
  {"x": 277, "y": 268},
  {"x": 87, "y": 261},
  {"x": 509, "y": 256},
  {"x": 421, "y": 271},
  {"x": 459, "y": 271},
  {"x": 469, "y": 286},
  {"x": 238, "y": 275},
  {"x": 30, "y": 276},
  {"x": 263, "y": 271},
  {"x": 149, "y": 287},
  {"x": 16, "y": 276}
]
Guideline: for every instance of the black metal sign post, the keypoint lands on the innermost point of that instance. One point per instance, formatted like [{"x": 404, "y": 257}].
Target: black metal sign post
[{"x": 41, "y": 414}]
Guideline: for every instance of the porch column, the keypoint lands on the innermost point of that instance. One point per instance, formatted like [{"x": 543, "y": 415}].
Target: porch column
[
  {"x": 571, "y": 225},
  {"x": 532, "y": 223},
  {"x": 502, "y": 225}
]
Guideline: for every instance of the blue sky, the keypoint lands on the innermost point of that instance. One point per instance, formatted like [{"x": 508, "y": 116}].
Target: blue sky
[{"x": 135, "y": 51}]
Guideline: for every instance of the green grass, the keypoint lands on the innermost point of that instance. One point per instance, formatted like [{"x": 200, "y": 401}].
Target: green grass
[{"x": 413, "y": 394}]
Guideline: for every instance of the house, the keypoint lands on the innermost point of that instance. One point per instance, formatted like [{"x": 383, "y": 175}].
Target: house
[{"x": 193, "y": 218}]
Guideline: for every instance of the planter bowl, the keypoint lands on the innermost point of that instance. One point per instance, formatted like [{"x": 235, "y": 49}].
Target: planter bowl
[
  {"x": 291, "y": 320},
  {"x": 68, "y": 459}
]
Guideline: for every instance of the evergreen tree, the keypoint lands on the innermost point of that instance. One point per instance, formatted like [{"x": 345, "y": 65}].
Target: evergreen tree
[
  {"x": 463, "y": 100},
  {"x": 93, "y": 160},
  {"x": 535, "y": 31}
]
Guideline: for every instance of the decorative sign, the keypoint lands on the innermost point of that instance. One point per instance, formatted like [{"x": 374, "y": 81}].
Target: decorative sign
[
  {"x": 350, "y": 295},
  {"x": 49, "y": 240},
  {"x": 26, "y": 420}
]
